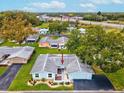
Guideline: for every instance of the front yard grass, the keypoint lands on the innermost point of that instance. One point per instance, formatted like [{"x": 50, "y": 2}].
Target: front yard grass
[
  {"x": 20, "y": 82},
  {"x": 117, "y": 78}
]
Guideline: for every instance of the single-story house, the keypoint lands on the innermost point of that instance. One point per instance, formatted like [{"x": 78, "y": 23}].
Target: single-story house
[
  {"x": 43, "y": 31},
  {"x": 53, "y": 43},
  {"x": 82, "y": 30},
  {"x": 18, "y": 55},
  {"x": 32, "y": 38},
  {"x": 44, "y": 17},
  {"x": 71, "y": 28},
  {"x": 60, "y": 68}
]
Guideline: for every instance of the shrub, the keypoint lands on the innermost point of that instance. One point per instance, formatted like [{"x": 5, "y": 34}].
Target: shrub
[
  {"x": 110, "y": 67},
  {"x": 55, "y": 83},
  {"x": 43, "y": 79},
  {"x": 62, "y": 83},
  {"x": 67, "y": 83}
]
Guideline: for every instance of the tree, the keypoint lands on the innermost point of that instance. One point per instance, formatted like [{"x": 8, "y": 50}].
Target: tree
[
  {"x": 96, "y": 46},
  {"x": 99, "y": 13},
  {"x": 122, "y": 30},
  {"x": 58, "y": 27},
  {"x": 16, "y": 28},
  {"x": 30, "y": 17},
  {"x": 74, "y": 40}
]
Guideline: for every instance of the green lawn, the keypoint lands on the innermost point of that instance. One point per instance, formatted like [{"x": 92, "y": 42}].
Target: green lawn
[
  {"x": 2, "y": 70},
  {"x": 117, "y": 78},
  {"x": 44, "y": 25},
  {"x": 20, "y": 82}
]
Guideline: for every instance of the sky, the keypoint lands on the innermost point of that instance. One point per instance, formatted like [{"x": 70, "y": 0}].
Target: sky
[{"x": 63, "y": 5}]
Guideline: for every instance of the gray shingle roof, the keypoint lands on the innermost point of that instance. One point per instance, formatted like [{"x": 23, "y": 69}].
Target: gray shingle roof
[
  {"x": 39, "y": 64},
  {"x": 33, "y": 37},
  {"x": 23, "y": 52},
  {"x": 51, "y": 62},
  {"x": 50, "y": 40}
]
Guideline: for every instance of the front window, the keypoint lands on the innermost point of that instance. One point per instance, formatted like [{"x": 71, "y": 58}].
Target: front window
[
  {"x": 54, "y": 46},
  {"x": 49, "y": 75},
  {"x": 37, "y": 75}
]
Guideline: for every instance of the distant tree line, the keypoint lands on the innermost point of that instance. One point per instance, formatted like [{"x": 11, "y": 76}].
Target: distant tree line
[
  {"x": 104, "y": 16},
  {"x": 100, "y": 16}
]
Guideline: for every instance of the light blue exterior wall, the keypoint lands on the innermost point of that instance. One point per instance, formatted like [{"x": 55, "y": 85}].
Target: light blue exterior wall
[
  {"x": 80, "y": 75},
  {"x": 72, "y": 76},
  {"x": 43, "y": 75}
]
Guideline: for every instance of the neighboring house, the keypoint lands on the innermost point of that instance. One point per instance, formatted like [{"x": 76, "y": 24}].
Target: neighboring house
[
  {"x": 77, "y": 18},
  {"x": 82, "y": 30},
  {"x": 53, "y": 43},
  {"x": 18, "y": 55},
  {"x": 43, "y": 31},
  {"x": 71, "y": 28},
  {"x": 32, "y": 38},
  {"x": 44, "y": 18},
  {"x": 60, "y": 68}
]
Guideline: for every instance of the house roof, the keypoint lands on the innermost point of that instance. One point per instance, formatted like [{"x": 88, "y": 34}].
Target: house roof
[
  {"x": 50, "y": 40},
  {"x": 23, "y": 52},
  {"x": 9, "y": 50},
  {"x": 33, "y": 37},
  {"x": 44, "y": 29},
  {"x": 50, "y": 63}
]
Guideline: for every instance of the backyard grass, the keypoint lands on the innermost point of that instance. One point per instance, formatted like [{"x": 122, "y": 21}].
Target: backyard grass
[
  {"x": 44, "y": 25},
  {"x": 2, "y": 70},
  {"x": 117, "y": 78},
  {"x": 20, "y": 82},
  {"x": 55, "y": 37}
]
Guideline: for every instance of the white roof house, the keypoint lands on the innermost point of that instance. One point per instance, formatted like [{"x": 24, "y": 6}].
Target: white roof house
[
  {"x": 71, "y": 68},
  {"x": 43, "y": 31},
  {"x": 82, "y": 30},
  {"x": 71, "y": 28},
  {"x": 32, "y": 38},
  {"x": 15, "y": 54},
  {"x": 44, "y": 17}
]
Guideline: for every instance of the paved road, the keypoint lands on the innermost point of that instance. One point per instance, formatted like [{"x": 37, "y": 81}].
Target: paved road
[
  {"x": 103, "y": 24},
  {"x": 7, "y": 78},
  {"x": 120, "y": 26},
  {"x": 99, "y": 82}
]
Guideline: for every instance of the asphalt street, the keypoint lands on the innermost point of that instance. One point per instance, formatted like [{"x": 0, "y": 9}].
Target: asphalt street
[{"x": 7, "y": 78}]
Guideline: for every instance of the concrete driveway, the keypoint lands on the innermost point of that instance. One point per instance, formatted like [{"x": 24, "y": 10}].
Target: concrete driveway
[
  {"x": 99, "y": 82},
  {"x": 7, "y": 78}
]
